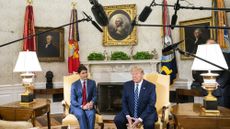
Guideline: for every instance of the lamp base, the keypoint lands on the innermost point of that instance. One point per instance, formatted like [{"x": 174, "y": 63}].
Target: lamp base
[
  {"x": 210, "y": 112},
  {"x": 27, "y": 98},
  {"x": 210, "y": 104}
]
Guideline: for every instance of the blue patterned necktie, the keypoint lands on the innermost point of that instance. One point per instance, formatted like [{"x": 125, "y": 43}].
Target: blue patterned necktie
[{"x": 135, "y": 100}]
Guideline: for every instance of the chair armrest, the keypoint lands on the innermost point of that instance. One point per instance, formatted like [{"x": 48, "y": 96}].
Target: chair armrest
[
  {"x": 163, "y": 116},
  {"x": 65, "y": 105}
]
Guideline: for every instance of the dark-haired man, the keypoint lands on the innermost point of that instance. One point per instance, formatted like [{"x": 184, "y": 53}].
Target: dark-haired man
[{"x": 83, "y": 97}]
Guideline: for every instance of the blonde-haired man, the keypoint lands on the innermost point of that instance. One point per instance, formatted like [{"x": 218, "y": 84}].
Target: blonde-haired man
[{"x": 138, "y": 102}]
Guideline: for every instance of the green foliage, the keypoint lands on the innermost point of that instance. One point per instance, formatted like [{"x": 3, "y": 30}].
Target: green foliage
[
  {"x": 96, "y": 56},
  {"x": 143, "y": 55},
  {"x": 119, "y": 55}
]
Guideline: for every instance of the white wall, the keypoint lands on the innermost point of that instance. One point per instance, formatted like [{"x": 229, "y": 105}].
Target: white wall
[{"x": 52, "y": 13}]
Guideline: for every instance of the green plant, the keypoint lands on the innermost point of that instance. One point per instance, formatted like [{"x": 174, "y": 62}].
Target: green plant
[
  {"x": 96, "y": 56},
  {"x": 119, "y": 55},
  {"x": 142, "y": 55}
]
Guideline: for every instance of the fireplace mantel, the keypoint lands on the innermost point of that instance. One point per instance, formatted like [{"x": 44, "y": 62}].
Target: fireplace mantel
[
  {"x": 120, "y": 62},
  {"x": 118, "y": 71}
]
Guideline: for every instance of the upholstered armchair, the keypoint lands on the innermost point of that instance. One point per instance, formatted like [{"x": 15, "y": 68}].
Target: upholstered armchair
[
  {"x": 162, "y": 83},
  {"x": 70, "y": 119}
]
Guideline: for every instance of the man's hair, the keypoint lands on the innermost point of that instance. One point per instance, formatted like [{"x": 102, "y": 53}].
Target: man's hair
[
  {"x": 81, "y": 68},
  {"x": 137, "y": 68}
]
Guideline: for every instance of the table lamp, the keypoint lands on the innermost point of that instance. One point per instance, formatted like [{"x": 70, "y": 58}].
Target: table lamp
[
  {"x": 213, "y": 54},
  {"x": 27, "y": 63}
]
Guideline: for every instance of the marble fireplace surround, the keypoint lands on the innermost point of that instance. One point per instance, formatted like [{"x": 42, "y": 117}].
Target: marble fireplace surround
[{"x": 118, "y": 71}]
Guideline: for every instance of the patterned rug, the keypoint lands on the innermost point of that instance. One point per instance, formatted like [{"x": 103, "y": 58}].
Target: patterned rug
[{"x": 56, "y": 120}]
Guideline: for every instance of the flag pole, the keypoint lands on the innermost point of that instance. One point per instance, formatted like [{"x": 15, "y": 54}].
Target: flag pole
[{"x": 74, "y": 4}]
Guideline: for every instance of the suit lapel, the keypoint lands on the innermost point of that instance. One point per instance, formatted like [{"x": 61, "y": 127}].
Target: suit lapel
[
  {"x": 79, "y": 85},
  {"x": 132, "y": 95},
  {"x": 88, "y": 89},
  {"x": 142, "y": 92}
]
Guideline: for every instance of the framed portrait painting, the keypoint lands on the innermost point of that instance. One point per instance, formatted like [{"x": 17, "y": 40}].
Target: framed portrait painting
[
  {"x": 119, "y": 30},
  {"x": 50, "y": 45},
  {"x": 196, "y": 35}
]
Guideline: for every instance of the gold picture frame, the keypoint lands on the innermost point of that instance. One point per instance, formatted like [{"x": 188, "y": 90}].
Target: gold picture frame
[
  {"x": 203, "y": 33},
  {"x": 119, "y": 31},
  {"x": 50, "y": 45}
]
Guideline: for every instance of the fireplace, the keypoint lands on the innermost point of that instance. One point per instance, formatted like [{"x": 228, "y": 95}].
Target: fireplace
[{"x": 109, "y": 97}]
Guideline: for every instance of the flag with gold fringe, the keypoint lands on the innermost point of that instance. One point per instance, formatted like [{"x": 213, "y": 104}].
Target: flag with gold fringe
[
  {"x": 220, "y": 19},
  {"x": 73, "y": 47},
  {"x": 168, "y": 59},
  {"x": 29, "y": 43}
]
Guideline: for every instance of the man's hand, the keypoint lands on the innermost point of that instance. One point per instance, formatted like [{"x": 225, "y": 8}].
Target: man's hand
[
  {"x": 129, "y": 119},
  {"x": 136, "y": 122},
  {"x": 88, "y": 106}
]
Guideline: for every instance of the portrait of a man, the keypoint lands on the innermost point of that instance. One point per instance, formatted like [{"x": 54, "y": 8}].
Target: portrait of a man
[
  {"x": 198, "y": 36},
  {"x": 195, "y": 34},
  {"x": 119, "y": 25},
  {"x": 119, "y": 31},
  {"x": 48, "y": 48},
  {"x": 50, "y": 45}
]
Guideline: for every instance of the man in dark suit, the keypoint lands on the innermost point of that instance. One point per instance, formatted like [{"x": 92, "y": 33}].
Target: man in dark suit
[
  {"x": 83, "y": 98},
  {"x": 138, "y": 102}
]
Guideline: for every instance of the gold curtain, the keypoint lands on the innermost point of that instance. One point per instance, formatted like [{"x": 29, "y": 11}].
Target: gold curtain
[{"x": 219, "y": 19}]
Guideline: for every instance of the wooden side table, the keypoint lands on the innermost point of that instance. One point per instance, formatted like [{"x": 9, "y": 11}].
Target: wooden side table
[
  {"x": 16, "y": 112},
  {"x": 190, "y": 116},
  {"x": 48, "y": 91}
]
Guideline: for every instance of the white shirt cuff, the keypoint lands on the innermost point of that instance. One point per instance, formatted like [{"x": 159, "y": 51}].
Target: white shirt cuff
[
  {"x": 140, "y": 119},
  {"x": 127, "y": 116}
]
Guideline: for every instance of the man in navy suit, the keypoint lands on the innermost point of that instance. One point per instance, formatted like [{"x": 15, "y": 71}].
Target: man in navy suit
[
  {"x": 83, "y": 97},
  {"x": 138, "y": 102}
]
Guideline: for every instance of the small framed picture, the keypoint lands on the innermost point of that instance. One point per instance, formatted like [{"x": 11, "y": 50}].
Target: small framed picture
[{"x": 50, "y": 45}]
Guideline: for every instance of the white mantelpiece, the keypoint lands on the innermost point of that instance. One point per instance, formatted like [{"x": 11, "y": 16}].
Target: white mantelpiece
[{"x": 118, "y": 71}]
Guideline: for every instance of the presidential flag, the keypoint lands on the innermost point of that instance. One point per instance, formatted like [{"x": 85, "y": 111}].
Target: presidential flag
[
  {"x": 73, "y": 47},
  {"x": 29, "y": 43},
  {"x": 168, "y": 59}
]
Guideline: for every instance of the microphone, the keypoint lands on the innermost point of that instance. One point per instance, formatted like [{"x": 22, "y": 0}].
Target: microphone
[
  {"x": 133, "y": 23},
  {"x": 93, "y": 22},
  {"x": 171, "y": 47},
  {"x": 146, "y": 12},
  {"x": 174, "y": 17},
  {"x": 99, "y": 13}
]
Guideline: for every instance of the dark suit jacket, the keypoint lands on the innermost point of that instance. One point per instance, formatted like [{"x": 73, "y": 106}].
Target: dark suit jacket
[
  {"x": 146, "y": 101},
  {"x": 76, "y": 93},
  {"x": 50, "y": 51}
]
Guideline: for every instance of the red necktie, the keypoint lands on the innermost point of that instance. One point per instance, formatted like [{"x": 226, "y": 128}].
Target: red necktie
[{"x": 84, "y": 94}]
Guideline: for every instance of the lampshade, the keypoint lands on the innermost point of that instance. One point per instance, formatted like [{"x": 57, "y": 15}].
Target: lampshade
[
  {"x": 27, "y": 62},
  {"x": 211, "y": 53}
]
